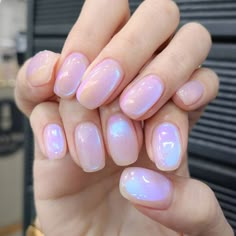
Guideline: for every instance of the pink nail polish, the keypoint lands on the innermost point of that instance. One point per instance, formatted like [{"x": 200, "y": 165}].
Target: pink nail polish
[
  {"x": 122, "y": 140},
  {"x": 70, "y": 74},
  {"x": 54, "y": 141},
  {"x": 146, "y": 187},
  {"x": 141, "y": 96},
  {"x": 166, "y": 147},
  {"x": 190, "y": 92},
  {"x": 90, "y": 147},
  {"x": 100, "y": 83},
  {"x": 40, "y": 68}
]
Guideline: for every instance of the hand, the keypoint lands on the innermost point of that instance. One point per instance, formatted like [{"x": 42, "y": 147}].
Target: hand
[{"x": 72, "y": 202}]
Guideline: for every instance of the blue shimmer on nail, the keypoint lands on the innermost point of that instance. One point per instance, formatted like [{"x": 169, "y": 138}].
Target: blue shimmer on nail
[
  {"x": 119, "y": 127},
  {"x": 143, "y": 188},
  {"x": 167, "y": 146}
]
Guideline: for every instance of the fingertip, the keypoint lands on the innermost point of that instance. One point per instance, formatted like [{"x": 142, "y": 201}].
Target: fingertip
[
  {"x": 48, "y": 131},
  {"x": 40, "y": 69},
  {"x": 146, "y": 188}
]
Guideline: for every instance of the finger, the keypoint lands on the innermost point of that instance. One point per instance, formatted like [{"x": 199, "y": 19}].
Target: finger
[
  {"x": 84, "y": 135},
  {"x": 122, "y": 136},
  {"x": 56, "y": 176},
  {"x": 35, "y": 81},
  {"x": 167, "y": 72},
  {"x": 149, "y": 27},
  {"x": 201, "y": 88},
  {"x": 185, "y": 205},
  {"x": 92, "y": 31},
  {"x": 47, "y": 124},
  {"x": 166, "y": 137}
]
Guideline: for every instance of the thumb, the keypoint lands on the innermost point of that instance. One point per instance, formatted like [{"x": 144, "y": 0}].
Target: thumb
[{"x": 181, "y": 204}]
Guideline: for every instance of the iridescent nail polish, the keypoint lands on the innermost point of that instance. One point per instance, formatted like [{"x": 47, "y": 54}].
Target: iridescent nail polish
[
  {"x": 146, "y": 187},
  {"x": 70, "y": 74},
  {"x": 89, "y": 147},
  {"x": 166, "y": 146},
  {"x": 122, "y": 140},
  {"x": 139, "y": 97},
  {"x": 54, "y": 141},
  {"x": 100, "y": 83},
  {"x": 40, "y": 68},
  {"x": 190, "y": 92}
]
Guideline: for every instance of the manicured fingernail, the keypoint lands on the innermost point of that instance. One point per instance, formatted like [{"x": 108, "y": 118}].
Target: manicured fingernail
[
  {"x": 166, "y": 145},
  {"x": 100, "y": 83},
  {"x": 40, "y": 68},
  {"x": 191, "y": 92},
  {"x": 54, "y": 141},
  {"x": 146, "y": 187},
  {"x": 122, "y": 140},
  {"x": 140, "y": 97},
  {"x": 70, "y": 74},
  {"x": 89, "y": 147}
]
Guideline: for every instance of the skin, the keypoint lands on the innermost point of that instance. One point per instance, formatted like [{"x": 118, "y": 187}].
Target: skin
[{"x": 70, "y": 201}]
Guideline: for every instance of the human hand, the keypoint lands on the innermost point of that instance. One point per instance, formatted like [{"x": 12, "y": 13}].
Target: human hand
[{"x": 70, "y": 201}]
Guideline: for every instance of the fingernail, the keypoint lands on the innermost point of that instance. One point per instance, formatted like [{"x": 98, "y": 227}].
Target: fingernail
[
  {"x": 122, "y": 140},
  {"x": 146, "y": 187},
  {"x": 140, "y": 97},
  {"x": 89, "y": 146},
  {"x": 70, "y": 74},
  {"x": 99, "y": 84},
  {"x": 40, "y": 68},
  {"x": 166, "y": 147},
  {"x": 54, "y": 141},
  {"x": 191, "y": 92}
]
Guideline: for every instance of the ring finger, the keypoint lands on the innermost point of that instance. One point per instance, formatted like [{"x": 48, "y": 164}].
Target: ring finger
[
  {"x": 158, "y": 82},
  {"x": 149, "y": 27}
]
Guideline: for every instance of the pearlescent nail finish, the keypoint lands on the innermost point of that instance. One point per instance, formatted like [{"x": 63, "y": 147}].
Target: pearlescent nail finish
[
  {"x": 166, "y": 145},
  {"x": 146, "y": 187},
  {"x": 141, "y": 96},
  {"x": 122, "y": 140},
  {"x": 70, "y": 74},
  {"x": 54, "y": 141},
  {"x": 89, "y": 147},
  {"x": 190, "y": 92},
  {"x": 99, "y": 84},
  {"x": 41, "y": 67}
]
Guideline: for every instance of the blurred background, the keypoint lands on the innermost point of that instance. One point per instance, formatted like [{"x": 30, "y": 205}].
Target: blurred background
[
  {"x": 212, "y": 143},
  {"x": 13, "y": 27}
]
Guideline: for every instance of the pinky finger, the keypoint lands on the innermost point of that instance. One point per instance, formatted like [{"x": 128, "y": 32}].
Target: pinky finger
[{"x": 201, "y": 88}]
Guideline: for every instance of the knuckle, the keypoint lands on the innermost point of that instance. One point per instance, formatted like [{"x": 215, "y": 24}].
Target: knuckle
[{"x": 37, "y": 111}]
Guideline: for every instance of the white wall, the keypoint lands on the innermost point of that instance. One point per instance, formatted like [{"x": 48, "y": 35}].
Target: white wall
[{"x": 13, "y": 15}]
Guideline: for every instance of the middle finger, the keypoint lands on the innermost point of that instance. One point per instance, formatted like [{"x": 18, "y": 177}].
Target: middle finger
[{"x": 150, "y": 26}]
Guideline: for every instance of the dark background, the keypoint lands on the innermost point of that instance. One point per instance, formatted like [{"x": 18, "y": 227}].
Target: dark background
[{"x": 212, "y": 143}]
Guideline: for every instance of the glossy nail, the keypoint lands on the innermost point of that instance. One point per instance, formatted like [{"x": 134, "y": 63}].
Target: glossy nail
[
  {"x": 166, "y": 146},
  {"x": 146, "y": 187},
  {"x": 122, "y": 140},
  {"x": 40, "y": 68},
  {"x": 100, "y": 83},
  {"x": 89, "y": 147},
  {"x": 190, "y": 92},
  {"x": 141, "y": 96},
  {"x": 54, "y": 141},
  {"x": 70, "y": 74}
]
